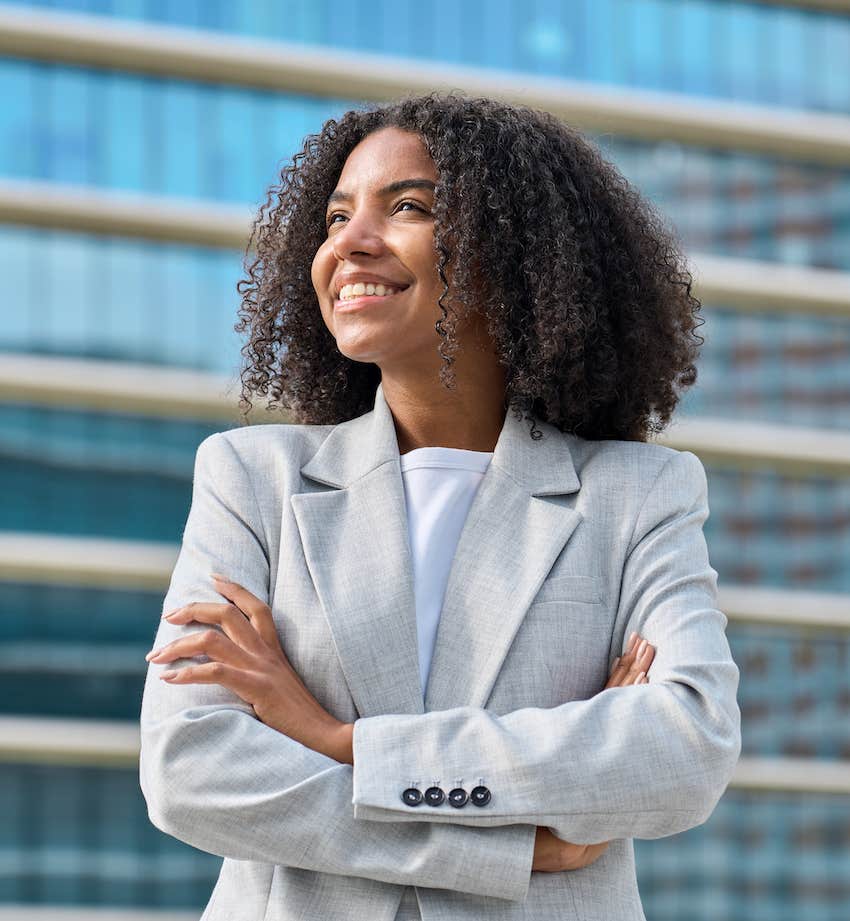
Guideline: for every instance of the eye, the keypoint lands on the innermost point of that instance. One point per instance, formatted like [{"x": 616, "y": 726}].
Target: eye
[
  {"x": 331, "y": 219},
  {"x": 413, "y": 204}
]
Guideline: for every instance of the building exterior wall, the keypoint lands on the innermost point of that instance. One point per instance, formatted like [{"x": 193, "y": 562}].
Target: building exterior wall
[{"x": 80, "y": 835}]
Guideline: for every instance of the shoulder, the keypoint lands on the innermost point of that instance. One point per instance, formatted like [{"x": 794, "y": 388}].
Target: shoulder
[
  {"x": 633, "y": 463},
  {"x": 269, "y": 451},
  {"x": 629, "y": 487}
]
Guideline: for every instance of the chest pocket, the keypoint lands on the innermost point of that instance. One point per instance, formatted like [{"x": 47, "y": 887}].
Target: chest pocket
[
  {"x": 560, "y": 651},
  {"x": 586, "y": 589}
]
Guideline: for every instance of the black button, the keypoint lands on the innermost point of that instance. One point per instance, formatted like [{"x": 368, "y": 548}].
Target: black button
[
  {"x": 411, "y": 796},
  {"x": 434, "y": 796},
  {"x": 480, "y": 796},
  {"x": 458, "y": 797}
]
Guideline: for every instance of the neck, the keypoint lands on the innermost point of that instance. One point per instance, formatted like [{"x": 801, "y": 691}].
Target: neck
[{"x": 426, "y": 414}]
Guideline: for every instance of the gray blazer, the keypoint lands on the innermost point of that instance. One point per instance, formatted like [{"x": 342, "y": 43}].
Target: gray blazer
[{"x": 569, "y": 546}]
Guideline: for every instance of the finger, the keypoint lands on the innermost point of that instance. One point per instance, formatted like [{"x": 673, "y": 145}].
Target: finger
[
  {"x": 256, "y": 610},
  {"x": 628, "y": 655},
  {"x": 627, "y": 667},
  {"x": 624, "y": 660},
  {"x": 210, "y": 643},
  {"x": 642, "y": 660},
  {"x": 226, "y": 615},
  {"x": 596, "y": 851},
  {"x": 237, "y": 680}
]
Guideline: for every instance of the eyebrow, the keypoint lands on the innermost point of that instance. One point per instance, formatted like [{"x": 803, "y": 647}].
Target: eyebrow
[{"x": 399, "y": 186}]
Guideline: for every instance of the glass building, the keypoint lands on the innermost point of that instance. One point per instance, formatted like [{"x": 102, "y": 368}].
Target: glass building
[{"x": 89, "y": 479}]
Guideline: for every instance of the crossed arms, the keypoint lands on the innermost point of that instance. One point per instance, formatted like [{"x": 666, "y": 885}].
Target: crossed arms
[{"x": 643, "y": 761}]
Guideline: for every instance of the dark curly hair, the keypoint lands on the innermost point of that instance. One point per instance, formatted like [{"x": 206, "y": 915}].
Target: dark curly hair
[{"x": 582, "y": 285}]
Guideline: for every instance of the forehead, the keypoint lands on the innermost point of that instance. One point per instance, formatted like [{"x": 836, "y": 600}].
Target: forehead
[{"x": 385, "y": 156}]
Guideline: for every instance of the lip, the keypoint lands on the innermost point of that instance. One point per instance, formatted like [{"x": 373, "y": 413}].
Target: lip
[
  {"x": 363, "y": 301},
  {"x": 366, "y": 278}
]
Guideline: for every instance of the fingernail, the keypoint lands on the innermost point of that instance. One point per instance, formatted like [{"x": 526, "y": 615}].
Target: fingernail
[
  {"x": 218, "y": 577},
  {"x": 641, "y": 676},
  {"x": 169, "y": 613},
  {"x": 616, "y": 663},
  {"x": 151, "y": 654},
  {"x": 168, "y": 675},
  {"x": 631, "y": 645},
  {"x": 641, "y": 649}
]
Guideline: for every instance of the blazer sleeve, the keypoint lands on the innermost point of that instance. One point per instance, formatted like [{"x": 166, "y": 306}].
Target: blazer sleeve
[
  {"x": 216, "y": 777},
  {"x": 643, "y": 761}
]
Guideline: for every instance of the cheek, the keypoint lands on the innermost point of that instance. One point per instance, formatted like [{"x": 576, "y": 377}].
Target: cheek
[
  {"x": 321, "y": 272},
  {"x": 322, "y": 269}
]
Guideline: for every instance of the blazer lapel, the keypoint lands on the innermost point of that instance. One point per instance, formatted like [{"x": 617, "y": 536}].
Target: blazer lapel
[
  {"x": 518, "y": 524},
  {"x": 355, "y": 542}
]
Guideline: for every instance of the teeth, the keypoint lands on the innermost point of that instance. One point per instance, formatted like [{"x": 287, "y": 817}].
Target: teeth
[{"x": 358, "y": 290}]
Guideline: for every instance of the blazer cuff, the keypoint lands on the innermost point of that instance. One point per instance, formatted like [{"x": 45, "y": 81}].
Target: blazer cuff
[{"x": 503, "y": 861}]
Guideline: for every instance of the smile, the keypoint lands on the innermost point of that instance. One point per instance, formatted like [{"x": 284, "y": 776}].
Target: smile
[{"x": 364, "y": 300}]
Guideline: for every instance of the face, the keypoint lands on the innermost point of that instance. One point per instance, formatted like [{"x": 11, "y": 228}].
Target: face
[{"x": 380, "y": 232}]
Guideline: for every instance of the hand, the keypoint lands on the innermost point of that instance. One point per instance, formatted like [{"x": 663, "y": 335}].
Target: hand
[
  {"x": 633, "y": 665},
  {"x": 553, "y": 854},
  {"x": 246, "y": 657}
]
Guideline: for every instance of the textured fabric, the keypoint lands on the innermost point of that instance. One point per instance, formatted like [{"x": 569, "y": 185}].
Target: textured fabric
[
  {"x": 568, "y": 546},
  {"x": 439, "y": 486}
]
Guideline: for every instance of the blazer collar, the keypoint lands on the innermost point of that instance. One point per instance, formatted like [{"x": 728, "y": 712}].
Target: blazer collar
[
  {"x": 355, "y": 541},
  {"x": 355, "y": 448}
]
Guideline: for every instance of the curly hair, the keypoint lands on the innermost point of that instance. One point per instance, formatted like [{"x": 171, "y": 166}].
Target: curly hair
[{"x": 583, "y": 287}]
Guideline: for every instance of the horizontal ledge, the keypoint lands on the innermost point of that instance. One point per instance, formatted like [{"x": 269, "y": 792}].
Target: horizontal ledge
[
  {"x": 96, "y": 562},
  {"x": 792, "y": 775},
  {"x": 162, "y": 392},
  {"x": 744, "y": 283},
  {"x": 747, "y": 444},
  {"x": 89, "y": 209},
  {"x": 158, "y": 391},
  {"x": 16, "y": 912},
  {"x": 839, "y": 7},
  {"x": 182, "y": 53},
  {"x": 68, "y": 741},
  {"x": 49, "y": 740},
  {"x": 775, "y": 607},
  {"x": 90, "y": 562}
]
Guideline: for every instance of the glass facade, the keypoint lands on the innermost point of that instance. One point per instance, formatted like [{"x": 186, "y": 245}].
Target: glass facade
[{"x": 81, "y": 835}]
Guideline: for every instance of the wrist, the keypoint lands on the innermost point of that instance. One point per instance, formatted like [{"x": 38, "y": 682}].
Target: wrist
[{"x": 342, "y": 743}]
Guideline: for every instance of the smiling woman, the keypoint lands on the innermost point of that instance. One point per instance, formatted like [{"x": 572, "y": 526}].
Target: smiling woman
[
  {"x": 456, "y": 666},
  {"x": 380, "y": 230},
  {"x": 519, "y": 245}
]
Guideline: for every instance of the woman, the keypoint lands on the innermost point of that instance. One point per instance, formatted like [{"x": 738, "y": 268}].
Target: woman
[{"x": 415, "y": 688}]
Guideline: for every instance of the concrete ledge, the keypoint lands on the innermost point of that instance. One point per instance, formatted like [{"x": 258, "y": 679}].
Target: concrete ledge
[
  {"x": 192, "y": 54},
  {"x": 100, "y": 743}
]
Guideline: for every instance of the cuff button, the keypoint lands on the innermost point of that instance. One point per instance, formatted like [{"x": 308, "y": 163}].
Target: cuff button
[
  {"x": 411, "y": 796},
  {"x": 458, "y": 797},
  {"x": 479, "y": 796},
  {"x": 434, "y": 796}
]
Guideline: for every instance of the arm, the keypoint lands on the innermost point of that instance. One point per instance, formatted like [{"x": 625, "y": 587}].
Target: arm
[
  {"x": 631, "y": 762},
  {"x": 217, "y": 778}
]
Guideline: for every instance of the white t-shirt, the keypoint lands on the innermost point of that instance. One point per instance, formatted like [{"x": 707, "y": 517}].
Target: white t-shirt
[{"x": 439, "y": 485}]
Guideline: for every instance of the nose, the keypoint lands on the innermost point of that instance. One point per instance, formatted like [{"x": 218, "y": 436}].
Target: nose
[{"x": 359, "y": 236}]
